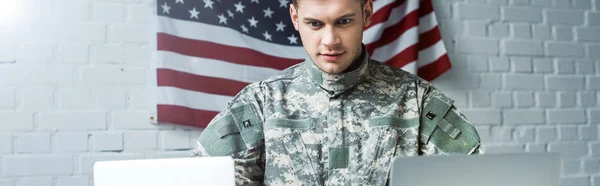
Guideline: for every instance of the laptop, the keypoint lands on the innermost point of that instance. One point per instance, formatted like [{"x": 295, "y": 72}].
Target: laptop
[
  {"x": 217, "y": 171},
  {"x": 531, "y": 169}
]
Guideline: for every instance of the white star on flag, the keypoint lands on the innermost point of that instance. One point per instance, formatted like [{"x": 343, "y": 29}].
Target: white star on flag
[
  {"x": 280, "y": 26},
  {"x": 244, "y": 29},
  {"x": 208, "y": 3},
  {"x": 230, "y": 13},
  {"x": 239, "y": 7},
  {"x": 194, "y": 13},
  {"x": 253, "y": 22},
  {"x": 293, "y": 39},
  {"x": 268, "y": 12},
  {"x": 283, "y": 3},
  {"x": 166, "y": 8},
  {"x": 267, "y": 36},
  {"x": 222, "y": 19}
]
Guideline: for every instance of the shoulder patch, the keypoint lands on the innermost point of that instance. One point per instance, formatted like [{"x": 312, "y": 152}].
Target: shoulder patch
[
  {"x": 434, "y": 112},
  {"x": 446, "y": 129},
  {"x": 236, "y": 131}
]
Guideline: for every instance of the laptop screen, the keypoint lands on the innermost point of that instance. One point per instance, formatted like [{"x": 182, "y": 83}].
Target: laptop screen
[
  {"x": 218, "y": 171},
  {"x": 536, "y": 169}
]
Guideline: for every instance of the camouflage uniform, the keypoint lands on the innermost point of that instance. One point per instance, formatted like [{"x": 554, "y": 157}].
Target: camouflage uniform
[{"x": 307, "y": 127}]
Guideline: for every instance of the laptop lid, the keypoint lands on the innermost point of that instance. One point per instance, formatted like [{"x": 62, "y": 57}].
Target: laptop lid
[
  {"x": 218, "y": 171},
  {"x": 534, "y": 169}
]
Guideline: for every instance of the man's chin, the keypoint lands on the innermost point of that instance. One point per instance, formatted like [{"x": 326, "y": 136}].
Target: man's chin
[{"x": 332, "y": 69}]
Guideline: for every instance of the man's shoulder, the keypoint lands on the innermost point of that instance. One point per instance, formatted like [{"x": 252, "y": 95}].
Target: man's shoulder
[
  {"x": 289, "y": 73},
  {"x": 394, "y": 75}
]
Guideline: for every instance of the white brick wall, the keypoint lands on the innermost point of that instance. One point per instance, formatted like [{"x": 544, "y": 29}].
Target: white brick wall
[
  {"x": 539, "y": 60},
  {"x": 70, "y": 142},
  {"x": 75, "y": 88},
  {"x": 76, "y": 85}
]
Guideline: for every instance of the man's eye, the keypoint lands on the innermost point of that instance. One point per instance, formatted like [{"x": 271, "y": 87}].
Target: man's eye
[
  {"x": 314, "y": 24},
  {"x": 344, "y": 21}
]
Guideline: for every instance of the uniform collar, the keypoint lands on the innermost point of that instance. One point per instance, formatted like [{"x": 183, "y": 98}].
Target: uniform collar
[{"x": 336, "y": 84}]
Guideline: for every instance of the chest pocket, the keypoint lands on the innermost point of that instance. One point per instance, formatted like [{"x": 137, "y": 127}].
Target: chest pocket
[
  {"x": 388, "y": 136},
  {"x": 287, "y": 153}
]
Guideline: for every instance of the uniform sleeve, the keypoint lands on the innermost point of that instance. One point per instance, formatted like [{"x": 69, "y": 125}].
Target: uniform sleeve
[
  {"x": 237, "y": 131},
  {"x": 444, "y": 130}
]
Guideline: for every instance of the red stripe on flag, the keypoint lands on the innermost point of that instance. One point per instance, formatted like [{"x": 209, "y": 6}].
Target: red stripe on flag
[
  {"x": 429, "y": 38},
  {"x": 237, "y": 55},
  {"x": 392, "y": 33},
  {"x": 383, "y": 14},
  {"x": 425, "y": 7},
  {"x": 408, "y": 55},
  {"x": 194, "y": 82},
  {"x": 435, "y": 69},
  {"x": 184, "y": 115}
]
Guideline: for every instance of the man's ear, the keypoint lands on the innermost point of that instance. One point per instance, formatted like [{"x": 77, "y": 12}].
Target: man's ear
[
  {"x": 368, "y": 12},
  {"x": 294, "y": 16}
]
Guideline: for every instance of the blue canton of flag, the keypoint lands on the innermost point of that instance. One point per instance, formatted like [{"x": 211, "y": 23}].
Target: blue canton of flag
[{"x": 267, "y": 20}]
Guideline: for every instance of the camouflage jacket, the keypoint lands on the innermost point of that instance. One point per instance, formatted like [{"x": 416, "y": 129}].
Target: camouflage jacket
[{"x": 307, "y": 127}]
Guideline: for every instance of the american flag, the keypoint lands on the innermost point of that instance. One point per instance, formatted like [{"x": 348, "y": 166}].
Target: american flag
[{"x": 209, "y": 50}]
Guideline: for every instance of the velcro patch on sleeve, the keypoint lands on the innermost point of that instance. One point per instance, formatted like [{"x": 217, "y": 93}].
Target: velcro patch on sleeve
[
  {"x": 434, "y": 112},
  {"x": 248, "y": 123}
]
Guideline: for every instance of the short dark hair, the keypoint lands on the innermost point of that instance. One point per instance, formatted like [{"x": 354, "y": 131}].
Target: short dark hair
[{"x": 362, "y": 3}]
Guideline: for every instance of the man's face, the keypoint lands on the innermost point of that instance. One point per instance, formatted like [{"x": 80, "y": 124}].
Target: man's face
[{"x": 331, "y": 31}]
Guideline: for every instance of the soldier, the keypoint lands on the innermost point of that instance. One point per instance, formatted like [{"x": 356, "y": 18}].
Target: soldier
[{"x": 338, "y": 118}]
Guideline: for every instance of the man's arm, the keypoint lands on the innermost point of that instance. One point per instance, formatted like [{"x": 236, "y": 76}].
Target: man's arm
[
  {"x": 444, "y": 129},
  {"x": 237, "y": 132}
]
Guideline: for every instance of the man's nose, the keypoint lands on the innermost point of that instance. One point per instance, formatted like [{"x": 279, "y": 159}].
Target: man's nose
[{"x": 330, "y": 37}]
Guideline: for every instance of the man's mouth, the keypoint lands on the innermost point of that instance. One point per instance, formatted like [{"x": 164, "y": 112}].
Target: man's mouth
[{"x": 332, "y": 56}]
